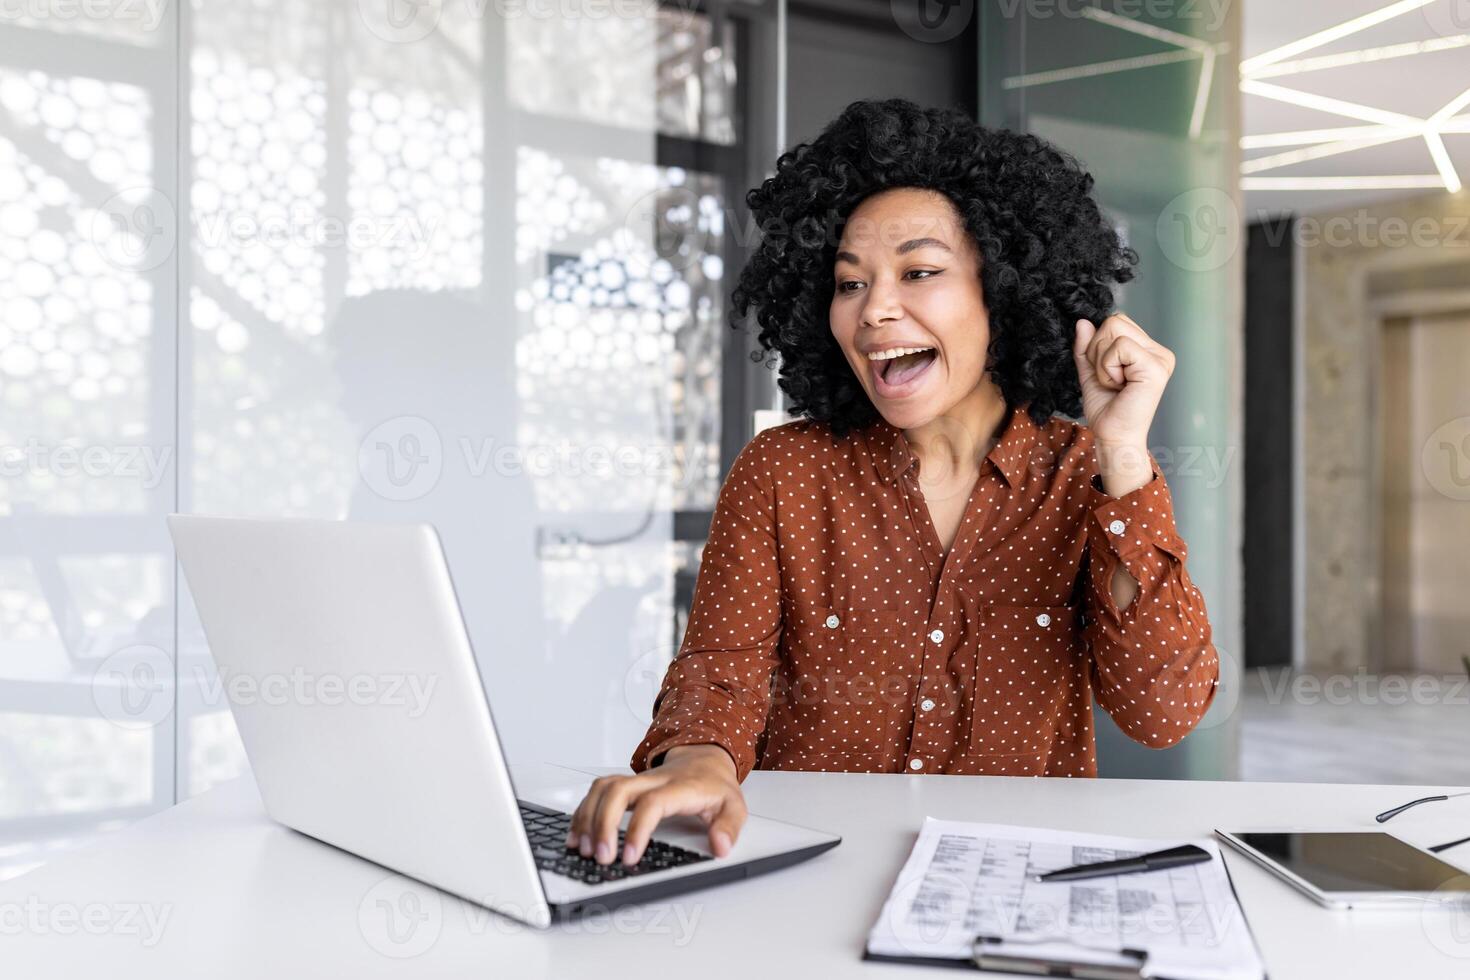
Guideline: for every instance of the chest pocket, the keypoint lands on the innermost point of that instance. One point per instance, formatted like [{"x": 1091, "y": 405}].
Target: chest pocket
[
  {"x": 1024, "y": 679},
  {"x": 845, "y": 668}
]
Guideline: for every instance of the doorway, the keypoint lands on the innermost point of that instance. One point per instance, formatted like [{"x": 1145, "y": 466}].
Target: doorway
[{"x": 1424, "y": 492}]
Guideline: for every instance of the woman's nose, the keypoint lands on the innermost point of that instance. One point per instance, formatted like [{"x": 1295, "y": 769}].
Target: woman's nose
[{"x": 881, "y": 305}]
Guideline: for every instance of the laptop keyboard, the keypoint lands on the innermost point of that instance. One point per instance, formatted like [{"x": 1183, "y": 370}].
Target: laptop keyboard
[{"x": 547, "y": 830}]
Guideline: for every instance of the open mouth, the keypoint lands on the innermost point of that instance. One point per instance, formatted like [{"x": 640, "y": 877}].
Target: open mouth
[{"x": 899, "y": 376}]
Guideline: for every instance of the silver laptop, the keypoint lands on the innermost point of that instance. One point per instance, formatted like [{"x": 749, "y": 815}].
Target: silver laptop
[{"x": 330, "y": 616}]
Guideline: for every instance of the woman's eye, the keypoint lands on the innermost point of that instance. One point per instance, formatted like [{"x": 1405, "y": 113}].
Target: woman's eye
[{"x": 926, "y": 273}]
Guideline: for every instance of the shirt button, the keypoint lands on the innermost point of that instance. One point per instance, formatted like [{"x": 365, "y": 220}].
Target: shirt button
[
  {"x": 927, "y": 705},
  {"x": 1117, "y": 527},
  {"x": 916, "y": 764},
  {"x": 937, "y": 636},
  {"x": 833, "y": 622},
  {"x": 1043, "y": 620}
]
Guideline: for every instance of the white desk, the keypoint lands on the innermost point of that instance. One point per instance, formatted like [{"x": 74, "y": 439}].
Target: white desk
[{"x": 245, "y": 898}]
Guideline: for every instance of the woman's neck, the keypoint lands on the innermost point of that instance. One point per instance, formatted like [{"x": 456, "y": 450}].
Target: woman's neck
[{"x": 956, "y": 441}]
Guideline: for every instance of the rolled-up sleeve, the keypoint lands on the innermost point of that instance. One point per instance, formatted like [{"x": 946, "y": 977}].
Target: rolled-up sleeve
[
  {"x": 717, "y": 689},
  {"x": 1154, "y": 667}
]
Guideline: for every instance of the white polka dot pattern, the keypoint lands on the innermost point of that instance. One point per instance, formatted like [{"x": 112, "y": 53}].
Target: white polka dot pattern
[{"x": 831, "y": 631}]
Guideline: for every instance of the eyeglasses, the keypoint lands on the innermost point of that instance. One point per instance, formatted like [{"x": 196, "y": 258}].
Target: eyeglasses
[{"x": 1387, "y": 815}]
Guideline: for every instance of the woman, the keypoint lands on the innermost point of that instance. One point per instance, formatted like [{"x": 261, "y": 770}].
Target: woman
[{"x": 930, "y": 571}]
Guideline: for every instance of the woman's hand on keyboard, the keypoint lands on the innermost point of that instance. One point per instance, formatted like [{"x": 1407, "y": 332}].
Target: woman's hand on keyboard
[{"x": 692, "y": 779}]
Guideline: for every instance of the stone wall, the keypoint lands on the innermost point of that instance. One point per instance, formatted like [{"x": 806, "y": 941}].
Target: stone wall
[{"x": 1351, "y": 263}]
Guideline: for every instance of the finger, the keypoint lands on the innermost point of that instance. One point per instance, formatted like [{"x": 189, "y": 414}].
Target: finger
[
  {"x": 1123, "y": 325},
  {"x": 1108, "y": 372},
  {"x": 609, "y": 815},
  {"x": 651, "y": 808},
  {"x": 581, "y": 821},
  {"x": 1083, "y": 332},
  {"x": 1127, "y": 361},
  {"x": 725, "y": 828},
  {"x": 1106, "y": 333}
]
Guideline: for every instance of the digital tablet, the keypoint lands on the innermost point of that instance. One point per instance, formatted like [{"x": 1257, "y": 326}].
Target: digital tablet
[{"x": 1351, "y": 869}]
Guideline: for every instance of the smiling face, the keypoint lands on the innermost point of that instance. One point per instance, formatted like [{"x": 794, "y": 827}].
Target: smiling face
[{"x": 907, "y": 277}]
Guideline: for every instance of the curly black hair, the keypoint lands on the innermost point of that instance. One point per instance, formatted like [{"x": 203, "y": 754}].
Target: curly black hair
[{"x": 1048, "y": 256}]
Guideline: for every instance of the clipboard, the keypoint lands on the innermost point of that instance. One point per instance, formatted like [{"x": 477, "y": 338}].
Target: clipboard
[
  {"x": 987, "y": 954},
  {"x": 1058, "y": 955}
]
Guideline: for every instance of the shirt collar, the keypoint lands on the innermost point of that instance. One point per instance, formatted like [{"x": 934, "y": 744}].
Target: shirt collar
[{"x": 892, "y": 456}]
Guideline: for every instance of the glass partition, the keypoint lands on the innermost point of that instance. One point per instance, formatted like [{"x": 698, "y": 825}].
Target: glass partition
[
  {"x": 457, "y": 263},
  {"x": 1145, "y": 96}
]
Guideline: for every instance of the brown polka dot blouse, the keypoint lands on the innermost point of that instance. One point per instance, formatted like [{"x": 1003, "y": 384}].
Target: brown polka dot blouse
[{"x": 831, "y": 631}]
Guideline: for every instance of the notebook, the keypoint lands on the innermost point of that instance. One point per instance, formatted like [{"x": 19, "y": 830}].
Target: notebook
[{"x": 967, "y": 895}]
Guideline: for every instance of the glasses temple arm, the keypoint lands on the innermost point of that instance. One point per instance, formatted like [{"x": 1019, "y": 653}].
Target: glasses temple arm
[{"x": 1390, "y": 814}]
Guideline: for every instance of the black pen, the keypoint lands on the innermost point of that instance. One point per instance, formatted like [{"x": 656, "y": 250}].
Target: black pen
[{"x": 1174, "y": 857}]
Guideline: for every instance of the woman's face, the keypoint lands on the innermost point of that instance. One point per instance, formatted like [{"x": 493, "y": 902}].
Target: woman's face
[{"x": 907, "y": 275}]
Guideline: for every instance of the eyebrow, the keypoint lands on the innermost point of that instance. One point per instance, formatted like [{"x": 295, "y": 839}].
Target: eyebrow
[{"x": 904, "y": 249}]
